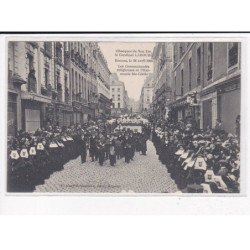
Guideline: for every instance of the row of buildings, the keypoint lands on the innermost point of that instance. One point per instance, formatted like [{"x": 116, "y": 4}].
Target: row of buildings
[
  {"x": 59, "y": 83},
  {"x": 199, "y": 81},
  {"x": 119, "y": 96}
]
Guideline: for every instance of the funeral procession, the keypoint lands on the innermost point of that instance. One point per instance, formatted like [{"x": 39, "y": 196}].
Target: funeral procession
[{"x": 112, "y": 117}]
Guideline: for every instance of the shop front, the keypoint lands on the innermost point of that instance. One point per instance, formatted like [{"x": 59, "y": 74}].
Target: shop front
[
  {"x": 31, "y": 115},
  {"x": 229, "y": 96},
  {"x": 104, "y": 107},
  {"x": 186, "y": 109},
  {"x": 33, "y": 111},
  {"x": 208, "y": 108},
  {"x": 65, "y": 114},
  {"x": 77, "y": 112},
  {"x": 87, "y": 113}
]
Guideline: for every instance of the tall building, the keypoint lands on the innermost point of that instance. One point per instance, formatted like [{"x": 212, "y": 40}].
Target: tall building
[
  {"x": 162, "y": 77},
  {"x": 146, "y": 94},
  {"x": 206, "y": 83},
  {"x": 38, "y": 82},
  {"x": 119, "y": 96},
  {"x": 56, "y": 83},
  {"x": 103, "y": 87},
  {"x": 83, "y": 78}
]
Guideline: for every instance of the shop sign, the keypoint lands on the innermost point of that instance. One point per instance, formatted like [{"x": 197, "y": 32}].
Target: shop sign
[{"x": 228, "y": 88}]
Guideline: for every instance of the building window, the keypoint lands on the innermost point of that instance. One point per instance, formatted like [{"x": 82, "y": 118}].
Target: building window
[
  {"x": 46, "y": 74},
  {"x": 118, "y": 89},
  {"x": 199, "y": 66},
  {"x": 30, "y": 62},
  {"x": 182, "y": 82},
  {"x": 58, "y": 84},
  {"x": 83, "y": 88},
  {"x": 58, "y": 51},
  {"x": 118, "y": 105},
  {"x": 113, "y": 89},
  {"x": 80, "y": 83},
  {"x": 181, "y": 50},
  {"x": 76, "y": 84},
  {"x": 48, "y": 48},
  {"x": 113, "y": 97},
  {"x": 175, "y": 87},
  {"x": 190, "y": 73},
  {"x": 210, "y": 61},
  {"x": 84, "y": 53},
  {"x": 233, "y": 54},
  {"x": 175, "y": 55},
  {"x": 119, "y": 98}
]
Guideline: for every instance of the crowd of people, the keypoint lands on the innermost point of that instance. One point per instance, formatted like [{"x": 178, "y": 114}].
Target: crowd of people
[
  {"x": 200, "y": 161},
  {"x": 32, "y": 157}
]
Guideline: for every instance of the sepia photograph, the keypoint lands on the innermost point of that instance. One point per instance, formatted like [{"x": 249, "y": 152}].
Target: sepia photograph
[{"x": 133, "y": 117}]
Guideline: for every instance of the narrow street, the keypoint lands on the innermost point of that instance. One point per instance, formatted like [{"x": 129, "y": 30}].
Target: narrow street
[{"x": 146, "y": 174}]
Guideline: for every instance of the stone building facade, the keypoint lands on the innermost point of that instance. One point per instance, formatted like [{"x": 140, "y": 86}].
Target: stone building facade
[
  {"x": 55, "y": 83},
  {"x": 162, "y": 78},
  {"x": 206, "y": 83},
  {"x": 119, "y": 96},
  {"x": 146, "y": 96},
  {"x": 103, "y": 87},
  {"x": 37, "y": 83}
]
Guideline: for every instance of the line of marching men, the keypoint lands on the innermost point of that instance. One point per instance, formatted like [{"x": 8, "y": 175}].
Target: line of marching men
[
  {"x": 32, "y": 158},
  {"x": 199, "y": 161}
]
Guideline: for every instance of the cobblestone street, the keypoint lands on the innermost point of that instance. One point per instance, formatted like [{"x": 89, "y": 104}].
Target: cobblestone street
[{"x": 145, "y": 174}]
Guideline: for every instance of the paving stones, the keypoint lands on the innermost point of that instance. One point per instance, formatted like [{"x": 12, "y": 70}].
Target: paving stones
[{"x": 145, "y": 174}]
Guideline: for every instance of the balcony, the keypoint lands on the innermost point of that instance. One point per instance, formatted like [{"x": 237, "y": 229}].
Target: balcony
[
  {"x": 77, "y": 105},
  {"x": 82, "y": 64},
  {"x": 100, "y": 77},
  {"x": 15, "y": 80},
  {"x": 92, "y": 72}
]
